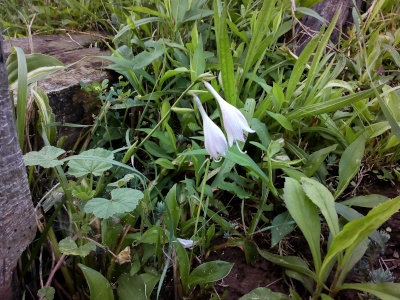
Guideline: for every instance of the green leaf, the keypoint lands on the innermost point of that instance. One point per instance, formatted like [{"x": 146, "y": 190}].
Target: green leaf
[
  {"x": 282, "y": 227},
  {"x": 121, "y": 182},
  {"x": 84, "y": 167},
  {"x": 82, "y": 192},
  {"x": 386, "y": 290},
  {"x": 210, "y": 272},
  {"x": 316, "y": 159},
  {"x": 47, "y": 292},
  {"x": 165, "y": 163},
  {"x": 225, "y": 57},
  {"x": 322, "y": 198},
  {"x": 281, "y": 120},
  {"x": 171, "y": 73},
  {"x": 123, "y": 200},
  {"x": 46, "y": 157},
  {"x": 357, "y": 230},
  {"x": 131, "y": 287},
  {"x": 38, "y": 67},
  {"x": 300, "y": 66},
  {"x": 350, "y": 163},
  {"x": 184, "y": 266},
  {"x": 234, "y": 189},
  {"x": 263, "y": 293},
  {"x": 329, "y": 106},
  {"x": 68, "y": 246},
  {"x": 369, "y": 201},
  {"x": 171, "y": 202},
  {"x": 290, "y": 262},
  {"x": 305, "y": 213},
  {"x": 99, "y": 286}
]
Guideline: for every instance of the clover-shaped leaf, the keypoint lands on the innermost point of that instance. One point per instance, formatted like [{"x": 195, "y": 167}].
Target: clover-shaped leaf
[
  {"x": 122, "y": 200},
  {"x": 69, "y": 247},
  {"x": 83, "y": 167},
  {"x": 47, "y": 292},
  {"x": 46, "y": 157}
]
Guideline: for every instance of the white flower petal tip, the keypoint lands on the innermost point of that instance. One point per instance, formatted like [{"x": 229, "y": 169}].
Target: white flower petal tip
[
  {"x": 214, "y": 138},
  {"x": 234, "y": 121},
  {"x": 186, "y": 243}
]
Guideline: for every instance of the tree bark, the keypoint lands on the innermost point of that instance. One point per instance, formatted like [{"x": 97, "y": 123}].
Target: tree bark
[
  {"x": 17, "y": 214},
  {"x": 327, "y": 10}
]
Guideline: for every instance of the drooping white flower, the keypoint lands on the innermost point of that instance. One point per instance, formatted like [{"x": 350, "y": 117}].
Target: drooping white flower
[
  {"x": 214, "y": 138},
  {"x": 234, "y": 121}
]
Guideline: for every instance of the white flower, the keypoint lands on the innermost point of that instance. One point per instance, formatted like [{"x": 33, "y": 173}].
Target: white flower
[
  {"x": 214, "y": 138},
  {"x": 186, "y": 243},
  {"x": 234, "y": 121}
]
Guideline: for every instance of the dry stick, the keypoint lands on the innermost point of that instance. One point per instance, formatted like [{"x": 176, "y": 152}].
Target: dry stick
[{"x": 58, "y": 265}]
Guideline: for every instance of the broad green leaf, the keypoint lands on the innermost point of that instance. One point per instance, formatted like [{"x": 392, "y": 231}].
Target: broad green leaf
[
  {"x": 281, "y": 120},
  {"x": 322, "y": 198},
  {"x": 183, "y": 264},
  {"x": 234, "y": 189},
  {"x": 178, "y": 10},
  {"x": 354, "y": 258},
  {"x": 350, "y": 163},
  {"x": 171, "y": 73},
  {"x": 263, "y": 293},
  {"x": 131, "y": 287},
  {"x": 210, "y": 272},
  {"x": 46, "y": 157},
  {"x": 305, "y": 213},
  {"x": 357, "y": 230},
  {"x": 122, "y": 200},
  {"x": 369, "y": 201},
  {"x": 165, "y": 163},
  {"x": 99, "y": 286},
  {"x": 282, "y": 227},
  {"x": 69, "y": 247},
  {"x": 38, "y": 67},
  {"x": 386, "y": 290},
  {"x": 171, "y": 202},
  {"x": 84, "y": 167},
  {"x": 326, "y": 297},
  {"x": 156, "y": 150},
  {"x": 290, "y": 262},
  {"x": 305, "y": 280},
  {"x": 47, "y": 292},
  {"x": 316, "y": 159}
]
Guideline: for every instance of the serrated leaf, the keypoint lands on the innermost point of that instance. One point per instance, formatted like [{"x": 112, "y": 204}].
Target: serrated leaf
[
  {"x": 46, "y": 157},
  {"x": 69, "y": 247},
  {"x": 84, "y": 167},
  {"x": 322, "y": 198},
  {"x": 122, "y": 200}
]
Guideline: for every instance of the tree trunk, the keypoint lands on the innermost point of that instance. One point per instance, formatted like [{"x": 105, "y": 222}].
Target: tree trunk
[
  {"x": 17, "y": 215},
  {"x": 327, "y": 10}
]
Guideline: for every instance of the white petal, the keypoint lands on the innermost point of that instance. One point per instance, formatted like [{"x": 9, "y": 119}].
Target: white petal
[
  {"x": 214, "y": 138},
  {"x": 186, "y": 243}
]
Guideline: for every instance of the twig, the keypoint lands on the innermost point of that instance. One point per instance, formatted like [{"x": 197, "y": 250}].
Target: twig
[{"x": 57, "y": 266}]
